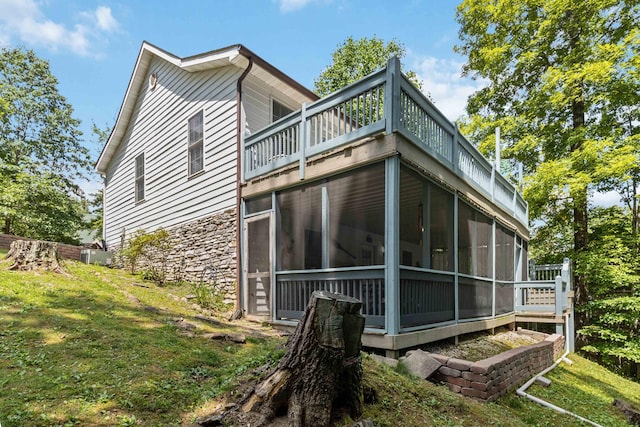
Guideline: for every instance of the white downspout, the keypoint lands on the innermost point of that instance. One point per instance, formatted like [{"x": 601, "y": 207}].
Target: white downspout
[{"x": 522, "y": 390}]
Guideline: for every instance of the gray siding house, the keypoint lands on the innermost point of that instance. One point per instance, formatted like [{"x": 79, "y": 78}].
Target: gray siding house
[
  {"x": 172, "y": 159},
  {"x": 369, "y": 192}
]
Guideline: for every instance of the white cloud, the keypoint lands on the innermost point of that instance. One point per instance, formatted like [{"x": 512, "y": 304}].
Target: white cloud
[
  {"x": 106, "y": 21},
  {"x": 292, "y": 5},
  {"x": 442, "y": 79},
  {"x": 24, "y": 20}
]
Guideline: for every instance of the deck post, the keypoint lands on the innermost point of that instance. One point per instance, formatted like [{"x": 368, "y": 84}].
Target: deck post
[
  {"x": 456, "y": 305},
  {"x": 454, "y": 150},
  {"x": 571, "y": 331},
  {"x": 559, "y": 302},
  {"x": 392, "y": 95},
  {"x": 493, "y": 268},
  {"x": 303, "y": 138},
  {"x": 243, "y": 290},
  {"x": 325, "y": 225},
  {"x": 493, "y": 183},
  {"x": 392, "y": 246}
]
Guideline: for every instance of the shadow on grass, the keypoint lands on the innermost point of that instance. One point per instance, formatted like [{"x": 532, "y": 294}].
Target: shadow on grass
[{"x": 87, "y": 356}]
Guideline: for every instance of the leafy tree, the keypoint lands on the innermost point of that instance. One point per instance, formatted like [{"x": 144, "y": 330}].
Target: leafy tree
[
  {"x": 613, "y": 266},
  {"x": 561, "y": 76},
  {"x": 96, "y": 200},
  {"x": 96, "y": 207},
  {"x": 355, "y": 59},
  {"x": 40, "y": 151},
  {"x": 38, "y": 207}
]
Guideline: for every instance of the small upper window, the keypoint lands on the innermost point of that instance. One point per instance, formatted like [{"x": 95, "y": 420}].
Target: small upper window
[
  {"x": 279, "y": 110},
  {"x": 196, "y": 145},
  {"x": 139, "y": 196}
]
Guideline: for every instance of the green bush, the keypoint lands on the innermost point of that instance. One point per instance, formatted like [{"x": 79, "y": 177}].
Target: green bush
[{"x": 152, "y": 249}]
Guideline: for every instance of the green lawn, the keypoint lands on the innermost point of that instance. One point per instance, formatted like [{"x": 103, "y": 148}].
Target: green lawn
[
  {"x": 88, "y": 349},
  {"x": 101, "y": 347}
]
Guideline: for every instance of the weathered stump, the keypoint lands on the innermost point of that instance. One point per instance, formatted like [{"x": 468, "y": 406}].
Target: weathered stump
[
  {"x": 632, "y": 414},
  {"x": 32, "y": 255},
  {"x": 321, "y": 372}
]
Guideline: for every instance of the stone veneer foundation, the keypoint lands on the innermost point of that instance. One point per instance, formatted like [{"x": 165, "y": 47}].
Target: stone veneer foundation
[
  {"x": 205, "y": 245},
  {"x": 490, "y": 378}
]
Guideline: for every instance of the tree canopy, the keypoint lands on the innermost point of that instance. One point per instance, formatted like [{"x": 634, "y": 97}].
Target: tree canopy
[
  {"x": 41, "y": 155},
  {"x": 355, "y": 59},
  {"x": 563, "y": 87}
]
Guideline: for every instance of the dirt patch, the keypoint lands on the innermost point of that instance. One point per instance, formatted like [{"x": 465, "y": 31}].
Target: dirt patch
[{"x": 475, "y": 347}]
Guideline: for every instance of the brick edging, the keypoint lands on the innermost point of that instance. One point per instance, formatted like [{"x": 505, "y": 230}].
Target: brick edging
[{"x": 488, "y": 379}]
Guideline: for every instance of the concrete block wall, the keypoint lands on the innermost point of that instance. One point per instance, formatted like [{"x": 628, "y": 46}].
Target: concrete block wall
[
  {"x": 490, "y": 378},
  {"x": 65, "y": 251}
]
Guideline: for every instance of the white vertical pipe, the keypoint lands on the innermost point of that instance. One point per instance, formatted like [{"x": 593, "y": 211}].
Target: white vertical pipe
[{"x": 498, "y": 159}]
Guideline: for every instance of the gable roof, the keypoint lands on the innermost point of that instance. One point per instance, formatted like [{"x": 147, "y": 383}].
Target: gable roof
[{"x": 236, "y": 55}]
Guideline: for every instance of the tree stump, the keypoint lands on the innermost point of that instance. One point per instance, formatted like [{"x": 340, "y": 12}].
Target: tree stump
[
  {"x": 34, "y": 255},
  {"x": 632, "y": 414},
  {"x": 321, "y": 372}
]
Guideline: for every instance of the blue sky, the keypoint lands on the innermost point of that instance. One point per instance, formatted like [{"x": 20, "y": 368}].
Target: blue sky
[{"x": 92, "y": 45}]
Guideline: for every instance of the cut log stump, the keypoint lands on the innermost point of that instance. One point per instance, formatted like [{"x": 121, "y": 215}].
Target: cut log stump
[
  {"x": 632, "y": 414},
  {"x": 34, "y": 255},
  {"x": 321, "y": 373}
]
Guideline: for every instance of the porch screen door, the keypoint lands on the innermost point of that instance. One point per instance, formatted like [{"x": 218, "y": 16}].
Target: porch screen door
[{"x": 258, "y": 238}]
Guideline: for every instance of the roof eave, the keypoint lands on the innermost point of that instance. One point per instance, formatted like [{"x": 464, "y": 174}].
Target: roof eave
[
  {"x": 214, "y": 59},
  {"x": 231, "y": 55}
]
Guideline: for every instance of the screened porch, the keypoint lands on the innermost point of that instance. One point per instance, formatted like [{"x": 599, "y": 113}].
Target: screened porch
[{"x": 372, "y": 193}]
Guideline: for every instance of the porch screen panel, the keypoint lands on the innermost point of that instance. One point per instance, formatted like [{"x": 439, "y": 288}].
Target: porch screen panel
[
  {"x": 441, "y": 228},
  {"x": 475, "y": 298},
  {"x": 475, "y": 243},
  {"x": 426, "y": 223},
  {"x": 299, "y": 236},
  {"x": 412, "y": 219},
  {"x": 258, "y": 204},
  {"x": 504, "y": 253},
  {"x": 357, "y": 218},
  {"x": 525, "y": 260},
  {"x": 504, "y": 297}
]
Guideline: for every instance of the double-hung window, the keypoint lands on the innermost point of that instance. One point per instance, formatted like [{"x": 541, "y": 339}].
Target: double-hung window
[
  {"x": 139, "y": 193},
  {"x": 196, "y": 144}
]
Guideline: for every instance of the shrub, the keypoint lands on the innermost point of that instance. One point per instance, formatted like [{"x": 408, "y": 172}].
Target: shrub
[{"x": 150, "y": 248}]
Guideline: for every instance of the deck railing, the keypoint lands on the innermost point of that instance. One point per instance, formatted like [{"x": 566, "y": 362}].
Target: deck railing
[
  {"x": 385, "y": 101},
  {"x": 427, "y": 298},
  {"x": 294, "y": 289},
  {"x": 548, "y": 291}
]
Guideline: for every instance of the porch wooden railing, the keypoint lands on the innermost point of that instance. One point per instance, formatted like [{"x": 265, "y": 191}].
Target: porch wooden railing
[
  {"x": 547, "y": 292},
  {"x": 294, "y": 289},
  {"x": 385, "y": 101},
  {"x": 427, "y": 298}
]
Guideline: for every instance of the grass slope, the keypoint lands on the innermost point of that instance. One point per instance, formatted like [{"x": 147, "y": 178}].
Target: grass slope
[{"x": 100, "y": 347}]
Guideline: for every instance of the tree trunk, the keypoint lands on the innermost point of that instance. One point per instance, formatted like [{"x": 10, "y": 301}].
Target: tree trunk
[
  {"x": 580, "y": 209},
  {"x": 321, "y": 372},
  {"x": 34, "y": 255}
]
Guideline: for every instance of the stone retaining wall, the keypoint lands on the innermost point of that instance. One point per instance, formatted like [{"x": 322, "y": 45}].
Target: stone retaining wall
[
  {"x": 490, "y": 378},
  {"x": 65, "y": 251}
]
